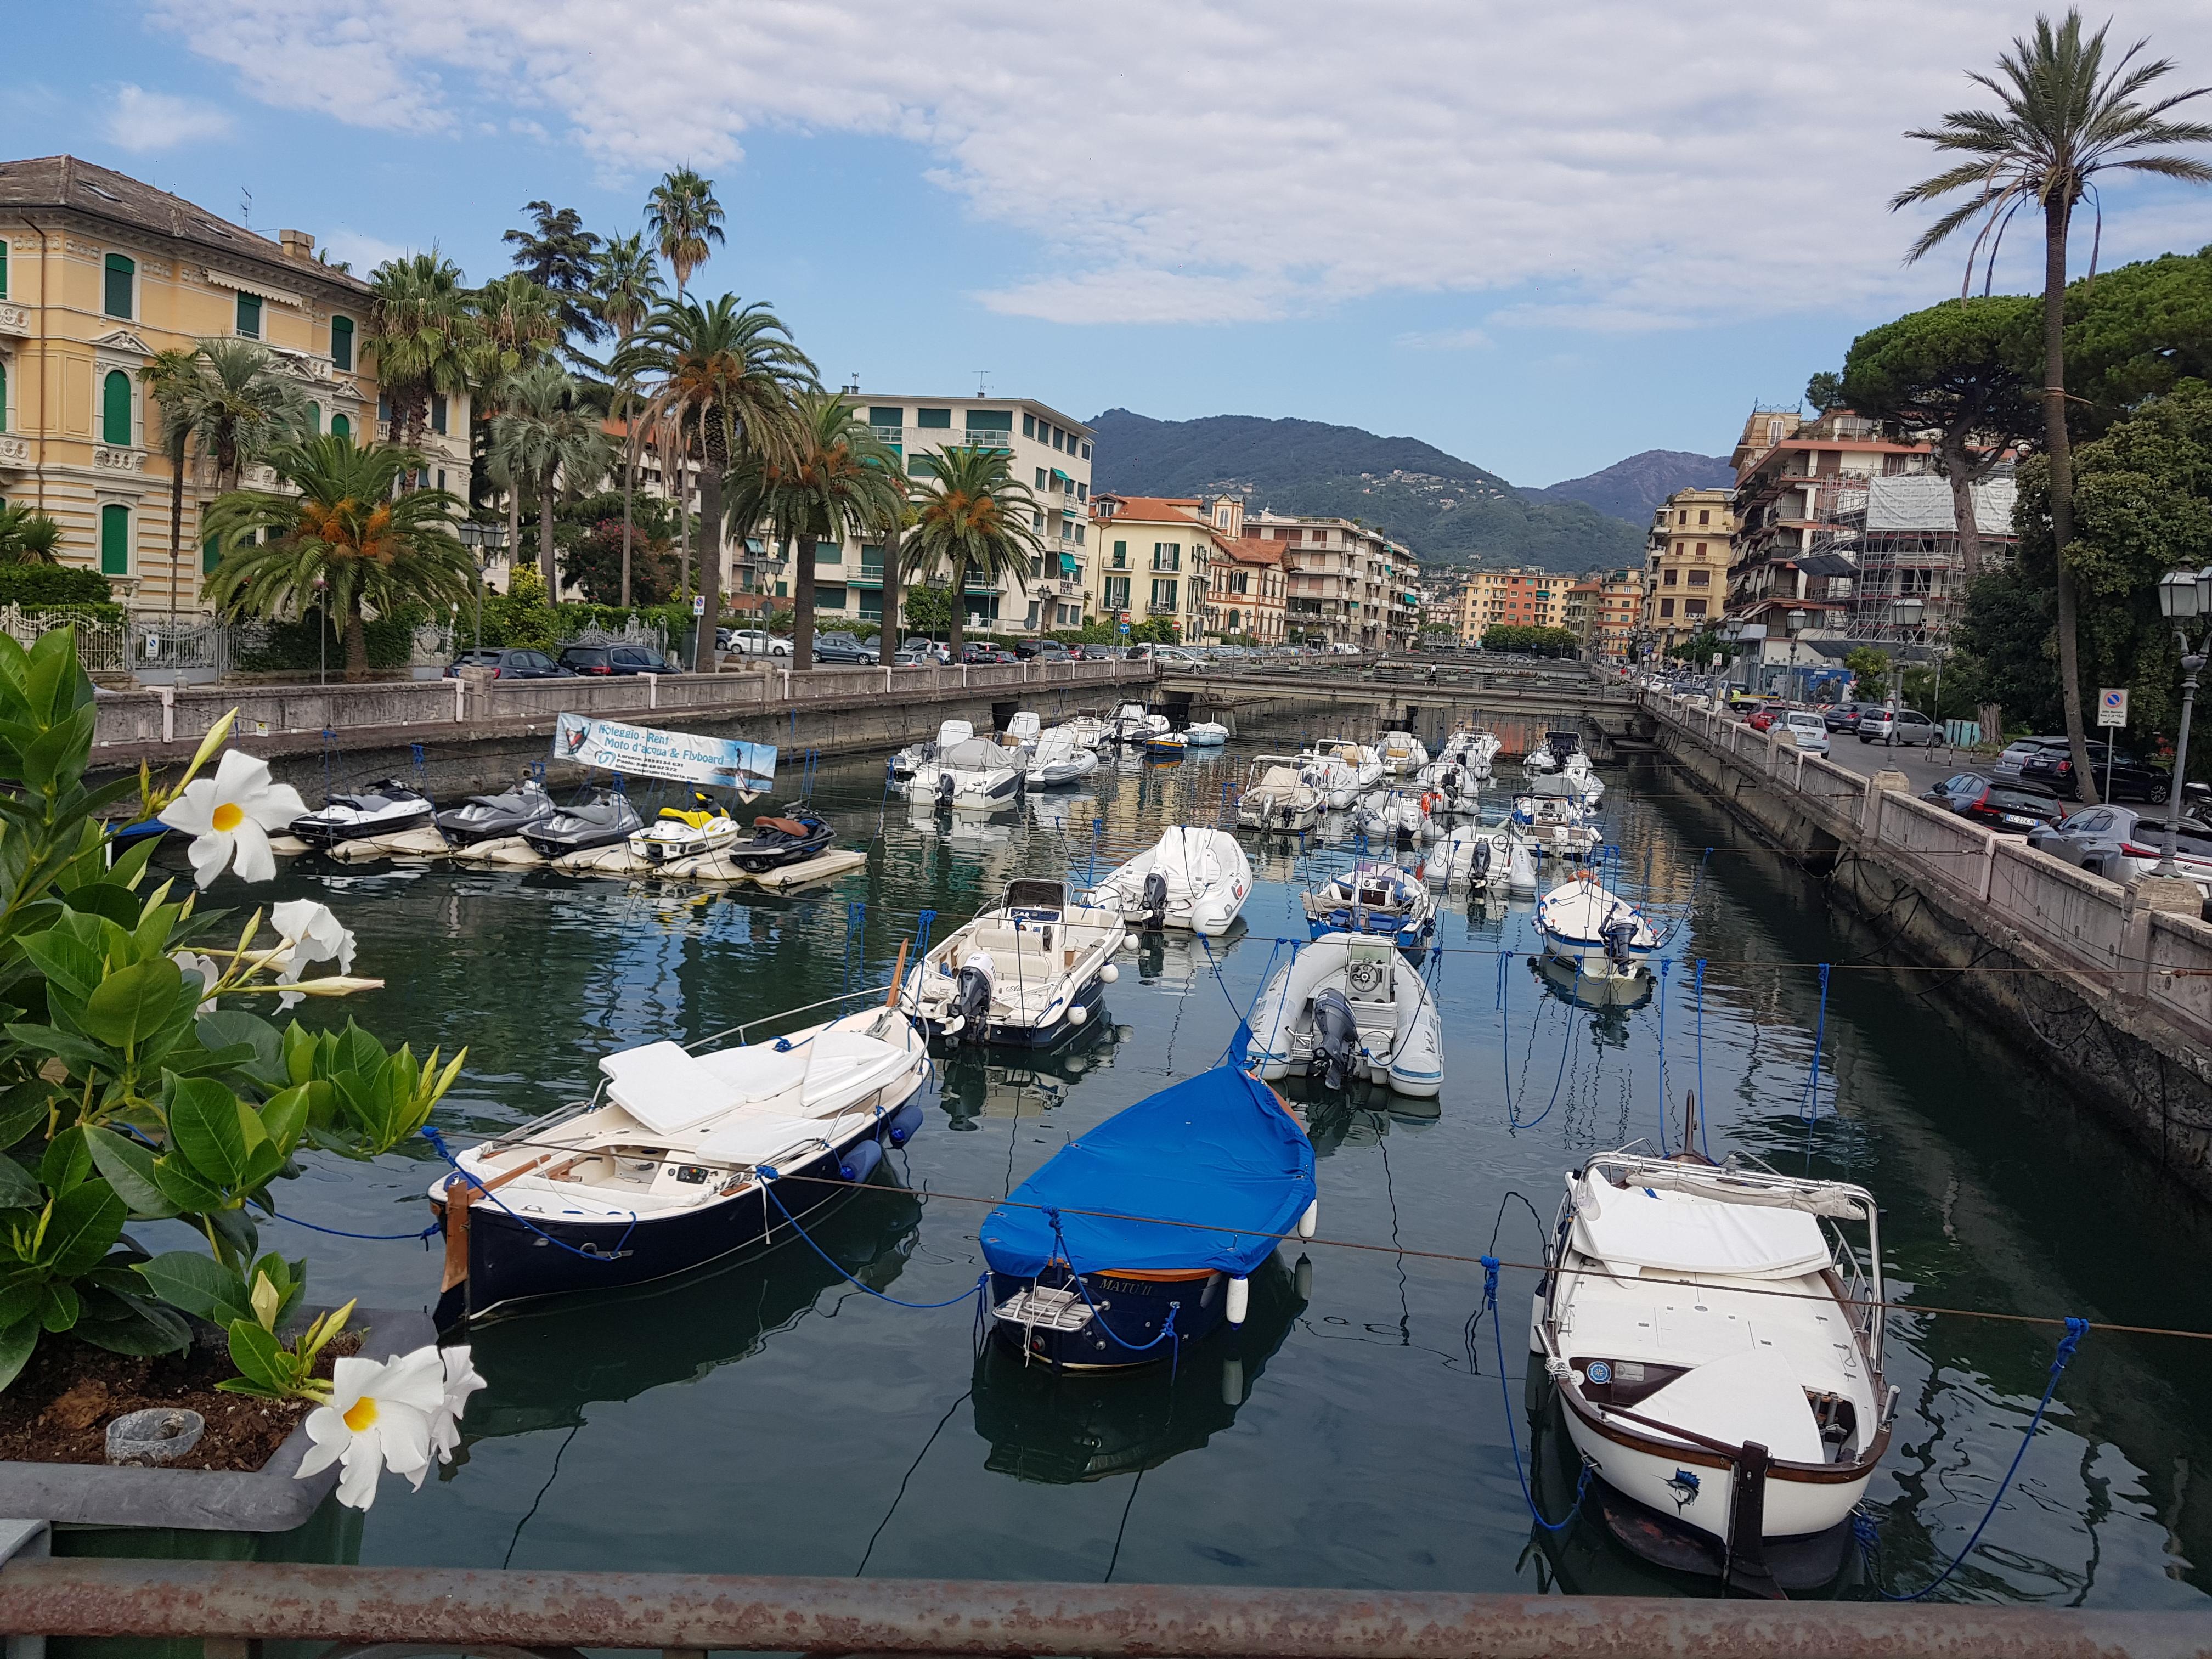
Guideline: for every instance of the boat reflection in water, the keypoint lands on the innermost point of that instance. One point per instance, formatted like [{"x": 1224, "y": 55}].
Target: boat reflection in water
[
  {"x": 975, "y": 1084},
  {"x": 1077, "y": 1426},
  {"x": 1616, "y": 1547},
  {"x": 548, "y": 1364},
  {"x": 1607, "y": 1001}
]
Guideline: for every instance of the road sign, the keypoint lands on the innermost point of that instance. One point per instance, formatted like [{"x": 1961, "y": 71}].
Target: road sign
[
  {"x": 698, "y": 605},
  {"x": 1125, "y": 627},
  {"x": 2112, "y": 705}
]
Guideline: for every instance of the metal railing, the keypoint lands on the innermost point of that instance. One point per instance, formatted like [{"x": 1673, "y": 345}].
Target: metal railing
[
  {"x": 424, "y": 1610},
  {"x": 101, "y": 647}
]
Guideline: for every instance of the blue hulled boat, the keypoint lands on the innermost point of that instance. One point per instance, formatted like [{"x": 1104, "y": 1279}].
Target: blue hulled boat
[{"x": 1084, "y": 1273}]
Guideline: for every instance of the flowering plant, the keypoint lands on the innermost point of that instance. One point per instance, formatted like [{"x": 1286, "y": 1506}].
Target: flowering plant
[{"x": 136, "y": 1080}]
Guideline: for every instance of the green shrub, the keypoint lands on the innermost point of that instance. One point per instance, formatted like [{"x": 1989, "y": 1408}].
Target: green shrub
[
  {"x": 298, "y": 646},
  {"x": 53, "y": 584}
]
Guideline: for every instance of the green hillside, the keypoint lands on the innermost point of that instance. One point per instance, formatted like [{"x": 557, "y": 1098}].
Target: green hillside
[{"x": 1447, "y": 510}]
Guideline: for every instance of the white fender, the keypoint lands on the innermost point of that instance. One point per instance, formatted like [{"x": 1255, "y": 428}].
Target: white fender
[
  {"x": 1077, "y": 1014},
  {"x": 1240, "y": 1299},
  {"x": 1109, "y": 973},
  {"x": 1310, "y": 1220}
]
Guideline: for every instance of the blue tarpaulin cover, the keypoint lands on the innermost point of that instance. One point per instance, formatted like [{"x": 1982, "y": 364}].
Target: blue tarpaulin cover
[{"x": 1216, "y": 1149}]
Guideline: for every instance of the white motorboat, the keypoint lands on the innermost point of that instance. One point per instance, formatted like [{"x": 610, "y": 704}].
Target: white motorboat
[
  {"x": 1471, "y": 855},
  {"x": 1275, "y": 798},
  {"x": 678, "y": 833},
  {"x": 1559, "y": 825},
  {"x": 1349, "y": 1009},
  {"x": 948, "y": 734},
  {"x": 1332, "y": 778},
  {"x": 1133, "y": 723},
  {"x": 1088, "y": 731},
  {"x": 1058, "y": 758},
  {"x": 1026, "y": 974},
  {"x": 1205, "y": 734},
  {"x": 1473, "y": 748},
  {"x": 1194, "y": 878},
  {"x": 1365, "y": 765},
  {"x": 1022, "y": 731},
  {"x": 1718, "y": 1349},
  {"x": 380, "y": 808},
  {"x": 1376, "y": 899},
  {"x": 1402, "y": 753},
  {"x": 1396, "y": 816},
  {"x": 1450, "y": 787},
  {"x": 975, "y": 773},
  {"x": 670, "y": 1164},
  {"x": 1585, "y": 922}
]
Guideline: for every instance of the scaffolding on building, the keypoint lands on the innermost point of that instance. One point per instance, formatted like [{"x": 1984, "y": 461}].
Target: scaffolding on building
[{"x": 1902, "y": 535}]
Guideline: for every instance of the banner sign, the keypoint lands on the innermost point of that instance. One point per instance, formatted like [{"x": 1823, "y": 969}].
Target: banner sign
[{"x": 642, "y": 752}]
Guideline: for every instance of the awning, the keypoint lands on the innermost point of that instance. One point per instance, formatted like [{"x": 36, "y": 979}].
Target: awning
[
  {"x": 1061, "y": 477},
  {"x": 1068, "y": 567}
]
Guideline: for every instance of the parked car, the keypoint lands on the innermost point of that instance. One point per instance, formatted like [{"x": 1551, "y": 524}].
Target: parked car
[
  {"x": 615, "y": 660},
  {"x": 976, "y": 651},
  {"x": 1762, "y": 718},
  {"x": 1994, "y": 806},
  {"x": 1807, "y": 729},
  {"x": 753, "y": 642},
  {"x": 511, "y": 662},
  {"x": 2132, "y": 778},
  {"x": 918, "y": 650},
  {"x": 841, "y": 648},
  {"x": 1898, "y": 727},
  {"x": 2120, "y": 843},
  {"x": 1052, "y": 651},
  {"x": 2015, "y": 756},
  {"x": 1846, "y": 716}
]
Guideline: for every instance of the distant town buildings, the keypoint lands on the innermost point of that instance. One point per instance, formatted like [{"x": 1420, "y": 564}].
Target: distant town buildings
[
  {"x": 1686, "y": 566},
  {"x": 1155, "y": 557},
  {"x": 1347, "y": 583}
]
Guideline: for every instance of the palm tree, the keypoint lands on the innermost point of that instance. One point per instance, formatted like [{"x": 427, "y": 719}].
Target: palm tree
[
  {"x": 242, "y": 406},
  {"x": 28, "y": 537},
  {"x": 630, "y": 288},
  {"x": 173, "y": 377},
  {"x": 972, "y": 518},
  {"x": 727, "y": 374},
  {"x": 683, "y": 217},
  {"x": 2064, "y": 118},
  {"x": 513, "y": 323},
  {"x": 418, "y": 328},
  {"x": 341, "y": 524},
  {"x": 546, "y": 433},
  {"x": 840, "y": 479}
]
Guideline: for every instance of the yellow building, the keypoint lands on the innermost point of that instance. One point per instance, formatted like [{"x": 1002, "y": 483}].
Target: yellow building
[
  {"x": 1152, "y": 558},
  {"x": 1515, "y": 598},
  {"x": 98, "y": 272},
  {"x": 1686, "y": 566}
]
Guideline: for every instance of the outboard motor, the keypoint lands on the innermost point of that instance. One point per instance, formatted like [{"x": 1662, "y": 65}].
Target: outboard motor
[
  {"x": 1336, "y": 1039},
  {"x": 945, "y": 787},
  {"x": 972, "y": 998},
  {"x": 1154, "y": 904},
  {"x": 1617, "y": 936},
  {"x": 1478, "y": 869}
]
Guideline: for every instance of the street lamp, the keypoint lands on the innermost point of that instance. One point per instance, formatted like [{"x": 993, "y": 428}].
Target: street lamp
[
  {"x": 2184, "y": 596},
  {"x": 1906, "y": 612},
  {"x": 323, "y": 631},
  {"x": 1793, "y": 623}
]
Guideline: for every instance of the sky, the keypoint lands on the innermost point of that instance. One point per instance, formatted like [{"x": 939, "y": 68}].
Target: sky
[{"x": 1541, "y": 237}]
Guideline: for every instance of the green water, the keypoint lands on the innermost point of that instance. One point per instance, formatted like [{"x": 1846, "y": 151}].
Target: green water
[{"x": 770, "y": 1418}]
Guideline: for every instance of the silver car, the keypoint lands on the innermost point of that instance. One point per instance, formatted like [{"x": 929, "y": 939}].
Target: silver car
[
  {"x": 2120, "y": 843},
  {"x": 1898, "y": 727}
]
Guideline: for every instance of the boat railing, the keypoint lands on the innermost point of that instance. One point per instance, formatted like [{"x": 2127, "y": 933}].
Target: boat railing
[{"x": 879, "y": 993}]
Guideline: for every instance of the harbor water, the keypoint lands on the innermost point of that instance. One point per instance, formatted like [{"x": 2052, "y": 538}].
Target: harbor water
[{"x": 767, "y": 1416}]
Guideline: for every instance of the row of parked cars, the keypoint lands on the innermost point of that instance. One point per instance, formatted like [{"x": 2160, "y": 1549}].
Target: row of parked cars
[{"x": 516, "y": 662}]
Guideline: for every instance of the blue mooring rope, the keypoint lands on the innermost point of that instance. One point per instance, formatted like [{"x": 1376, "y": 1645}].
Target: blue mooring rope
[
  {"x": 1863, "y": 1524},
  {"x": 983, "y": 1281},
  {"x": 1809, "y": 1108},
  {"x": 1666, "y": 964},
  {"x": 1490, "y": 1264},
  {"x": 1704, "y": 1146},
  {"x": 340, "y": 1233},
  {"x": 438, "y": 1141}
]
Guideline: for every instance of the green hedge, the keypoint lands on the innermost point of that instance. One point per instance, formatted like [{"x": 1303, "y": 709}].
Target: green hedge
[
  {"x": 31, "y": 585},
  {"x": 511, "y": 621},
  {"x": 299, "y": 646}
]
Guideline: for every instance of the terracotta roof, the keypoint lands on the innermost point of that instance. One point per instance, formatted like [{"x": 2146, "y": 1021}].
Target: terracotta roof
[
  {"x": 1155, "y": 509},
  {"x": 1256, "y": 549},
  {"x": 66, "y": 182}
]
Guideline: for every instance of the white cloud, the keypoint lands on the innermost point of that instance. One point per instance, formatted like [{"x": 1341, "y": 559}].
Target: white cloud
[
  {"x": 1643, "y": 165},
  {"x": 1445, "y": 339},
  {"x": 143, "y": 120},
  {"x": 360, "y": 250}
]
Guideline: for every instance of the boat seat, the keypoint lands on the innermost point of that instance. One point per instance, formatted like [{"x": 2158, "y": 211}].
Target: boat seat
[
  {"x": 668, "y": 1089},
  {"x": 1636, "y": 1227},
  {"x": 757, "y": 1138},
  {"x": 842, "y": 1061},
  {"x": 785, "y": 826},
  {"x": 758, "y": 1072}
]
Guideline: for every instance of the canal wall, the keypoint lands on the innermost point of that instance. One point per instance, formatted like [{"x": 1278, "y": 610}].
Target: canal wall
[
  {"x": 2117, "y": 994},
  {"x": 455, "y": 737}
]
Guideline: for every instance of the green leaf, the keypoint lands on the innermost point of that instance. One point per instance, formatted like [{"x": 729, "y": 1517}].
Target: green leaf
[
  {"x": 200, "y": 1284},
  {"x": 85, "y": 1060},
  {"x": 258, "y": 1356},
  {"x": 129, "y": 1168},
  {"x": 16, "y": 1343},
  {"x": 133, "y": 1002},
  {"x": 103, "y": 898},
  {"x": 66, "y": 961},
  {"x": 215, "y": 1131},
  {"x": 18, "y": 1191},
  {"x": 186, "y": 1191},
  {"x": 85, "y": 1222},
  {"x": 67, "y": 1160},
  {"x": 236, "y": 1229},
  {"x": 59, "y": 1306},
  {"x": 284, "y": 1119},
  {"x": 229, "y": 1029},
  {"x": 23, "y": 1109},
  {"x": 122, "y": 1323}
]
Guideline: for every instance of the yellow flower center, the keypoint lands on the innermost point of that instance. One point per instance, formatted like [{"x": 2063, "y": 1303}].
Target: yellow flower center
[
  {"x": 227, "y": 817},
  {"x": 361, "y": 1414}
]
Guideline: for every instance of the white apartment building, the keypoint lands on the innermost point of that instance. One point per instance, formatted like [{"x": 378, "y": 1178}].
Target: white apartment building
[{"x": 1347, "y": 582}]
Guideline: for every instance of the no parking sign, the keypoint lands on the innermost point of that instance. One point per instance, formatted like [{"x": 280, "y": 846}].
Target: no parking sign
[{"x": 2112, "y": 705}]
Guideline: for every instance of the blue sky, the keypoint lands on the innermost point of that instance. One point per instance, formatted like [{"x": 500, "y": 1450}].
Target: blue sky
[{"x": 1395, "y": 217}]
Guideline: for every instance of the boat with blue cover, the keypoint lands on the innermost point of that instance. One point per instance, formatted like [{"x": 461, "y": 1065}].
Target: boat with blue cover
[
  {"x": 1378, "y": 899},
  {"x": 1144, "y": 1235}
]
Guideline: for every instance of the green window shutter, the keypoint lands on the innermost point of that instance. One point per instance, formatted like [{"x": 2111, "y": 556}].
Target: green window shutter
[
  {"x": 934, "y": 417},
  {"x": 210, "y": 555},
  {"x": 114, "y": 540},
  {"x": 437, "y": 411},
  {"x": 828, "y": 553},
  {"x": 115, "y": 409},
  {"x": 117, "y": 296},
  {"x": 884, "y": 414},
  {"x": 920, "y": 466},
  {"x": 341, "y": 343},
  {"x": 4, "y": 397},
  {"x": 249, "y": 316},
  {"x": 314, "y": 418},
  {"x": 341, "y": 427},
  {"x": 3, "y": 270}
]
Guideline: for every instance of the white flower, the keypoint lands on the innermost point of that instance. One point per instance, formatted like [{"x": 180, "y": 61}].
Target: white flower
[
  {"x": 461, "y": 1382},
  {"x": 231, "y": 814},
  {"x": 308, "y": 932},
  {"x": 379, "y": 1417},
  {"x": 192, "y": 962}
]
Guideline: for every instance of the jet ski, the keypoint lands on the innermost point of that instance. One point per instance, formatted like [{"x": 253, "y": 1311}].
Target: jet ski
[
  {"x": 601, "y": 822},
  {"x": 378, "y": 809},
  {"x": 492, "y": 818},
  {"x": 677, "y": 834},
  {"x": 800, "y": 833}
]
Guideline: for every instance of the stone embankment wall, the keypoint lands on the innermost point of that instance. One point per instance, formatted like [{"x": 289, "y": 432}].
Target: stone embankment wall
[{"x": 2119, "y": 995}]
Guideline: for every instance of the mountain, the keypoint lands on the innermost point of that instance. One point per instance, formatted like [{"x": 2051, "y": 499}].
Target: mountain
[
  {"x": 1447, "y": 510},
  {"x": 1633, "y": 489}
]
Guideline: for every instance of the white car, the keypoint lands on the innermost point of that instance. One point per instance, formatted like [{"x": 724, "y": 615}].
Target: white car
[
  {"x": 1807, "y": 728},
  {"x": 757, "y": 642}
]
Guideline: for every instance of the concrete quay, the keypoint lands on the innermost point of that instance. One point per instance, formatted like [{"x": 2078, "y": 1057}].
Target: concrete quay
[{"x": 2114, "y": 989}]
